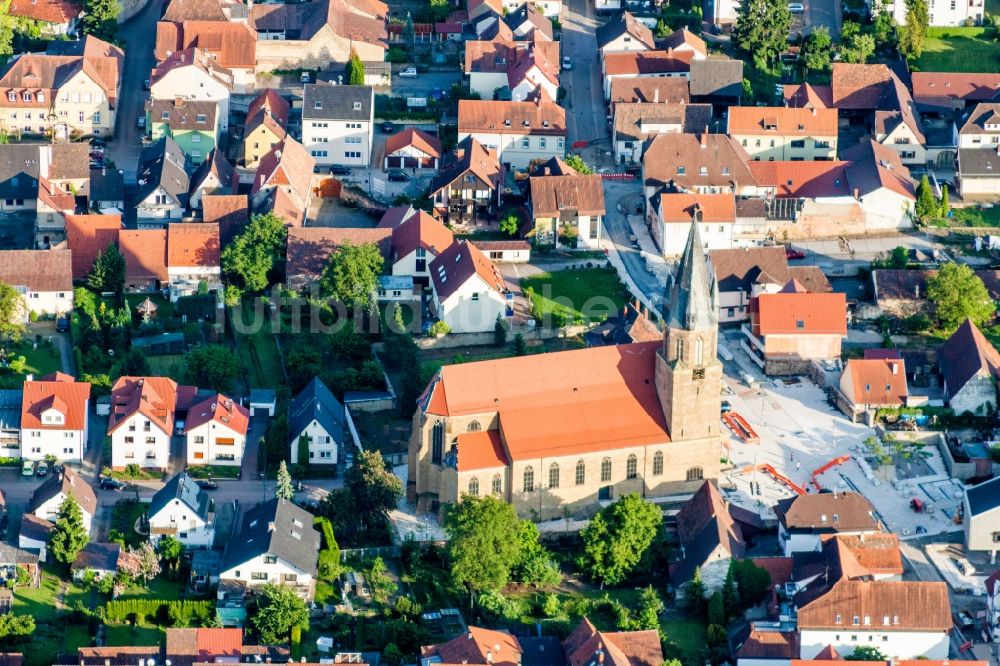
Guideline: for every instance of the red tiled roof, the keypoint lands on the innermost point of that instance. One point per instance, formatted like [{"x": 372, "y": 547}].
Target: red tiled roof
[
  {"x": 681, "y": 207},
  {"x": 877, "y": 554},
  {"x": 481, "y": 449},
  {"x": 220, "y": 409},
  {"x": 154, "y": 397},
  {"x": 145, "y": 252},
  {"x": 68, "y": 398},
  {"x": 801, "y": 314},
  {"x": 420, "y": 231},
  {"x": 783, "y": 121},
  {"x": 38, "y": 270},
  {"x": 803, "y": 180},
  {"x": 889, "y": 606},
  {"x": 192, "y": 245},
  {"x": 538, "y": 117},
  {"x": 309, "y": 248},
  {"x": 89, "y": 235},
  {"x": 858, "y": 86},
  {"x": 233, "y": 44},
  {"x": 552, "y": 194},
  {"x": 457, "y": 264},
  {"x": 770, "y": 645},
  {"x": 929, "y": 87},
  {"x": 478, "y": 646},
  {"x": 685, "y": 37},
  {"x": 48, "y": 11},
  {"x": 422, "y": 141},
  {"x": 875, "y": 383},
  {"x": 230, "y": 211},
  {"x": 271, "y": 102},
  {"x": 647, "y": 62}
]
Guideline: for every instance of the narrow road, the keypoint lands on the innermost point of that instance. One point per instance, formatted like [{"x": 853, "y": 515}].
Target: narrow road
[
  {"x": 139, "y": 37},
  {"x": 586, "y": 116}
]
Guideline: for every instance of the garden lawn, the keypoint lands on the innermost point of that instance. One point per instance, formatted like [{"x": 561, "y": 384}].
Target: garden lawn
[
  {"x": 52, "y": 639},
  {"x": 258, "y": 351},
  {"x": 687, "y": 633},
  {"x": 959, "y": 50},
  {"x": 169, "y": 365},
  {"x": 138, "y": 635},
  {"x": 570, "y": 296},
  {"x": 41, "y": 361},
  {"x": 215, "y": 471},
  {"x": 39, "y": 602},
  {"x": 124, "y": 515},
  {"x": 160, "y": 587}
]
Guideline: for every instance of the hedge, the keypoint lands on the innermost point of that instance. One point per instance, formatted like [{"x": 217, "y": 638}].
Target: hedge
[{"x": 182, "y": 613}]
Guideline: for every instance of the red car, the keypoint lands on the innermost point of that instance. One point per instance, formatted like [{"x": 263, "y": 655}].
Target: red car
[{"x": 791, "y": 253}]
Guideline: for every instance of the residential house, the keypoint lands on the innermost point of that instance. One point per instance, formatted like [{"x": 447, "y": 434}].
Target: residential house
[
  {"x": 709, "y": 539},
  {"x": 549, "y": 8},
  {"x": 179, "y": 11},
  {"x": 871, "y": 384},
  {"x": 636, "y": 123},
  {"x": 51, "y": 494},
  {"x": 644, "y": 64},
  {"x": 230, "y": 211},
  {"x": 100, "y": 560},
  {"x": 803, "y": 520},
  {"x": 469, "y": 294},
  {"x": 716, "y": 81},
  {"x": 276, "y": 544},
  {"x": 43, "y": 278},
  {"x": 316, "y": 425},
  {"x": 792, "y": 328},
  {"x": 283, "y": 182},
  {"x": 745, "y": 273},
  {"x": 267, "y": 118},
  {"x": 192, "y": 258},
  {"x": 901, "y": 293},
  {"x": 338, "y": 123},
  {"x": 704, "y": 163},
  {"x": 412, "y": 149},
  {"x": 216, "y": 432},
  {"x": 770, "y": 133},
  {"x": 163, "y": 184},
  {"x": 510, "y": 70},
  {"x": 970, "y": 366},
  {"x": 567, "y": 209},
  {"x": 233, "y": 44},
  {"x": 13, "y": 559},
  {"x": 527, "y": 22},
  {"x": 55, "y": 18},
  {"x": 907, "y": 619},
  {"x": 415, "y": 244},
  {"x": 215, "y": 176},
  {"x": 75, "y": 93},
  {"x": 520, "y": 132},
  {"x": 316, "y": 34},
  {"x": 766, "y": 645},
  {"x": 685, "y": 41},
  {"x": 623, "y": 33},
  {"x": 54, "y": 415},
  {"x": 468, "y": 184},
  {"x": 882, "y": 185},
  {"x": 87, "y": 236},
  {"x": 143, "y": 413},
  {"x": 309, "y": 249},
  {"x": 670, "y": 215},
  {"x": 947, "y": 92},
  {"x": 632, "y": 324},
  {"x": 145, "y": 254},
  {"x": 182, "y": 510},
  {"x": 193, "y": 74},
  {"x": 192, "y": 124},
  {"x": 107, "y": 190},
  {"x": 979, "y": 153},
  {"x": 962, "y": 13},
  {"x": 670, "y": 90}
]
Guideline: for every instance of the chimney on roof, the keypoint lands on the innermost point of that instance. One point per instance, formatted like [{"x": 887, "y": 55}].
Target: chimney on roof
[
  {"x": 704, "y": 138},
  {"x": 547, "y": 171},
  {"x": 895, "y": 368},
  {"x": 813, "y": 109},
  {"x": 656, "y": 96},
  {"x": 856, "y": 193}
]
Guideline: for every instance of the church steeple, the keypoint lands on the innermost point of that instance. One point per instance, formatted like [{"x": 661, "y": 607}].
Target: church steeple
[{"x": 693, "y": 293}]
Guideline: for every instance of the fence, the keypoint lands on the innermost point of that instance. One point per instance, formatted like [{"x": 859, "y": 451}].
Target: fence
[
  {"x": 617, "y": 176},
  {"x": 365, "y": 553},
  {"x": 470, "y": 339}
]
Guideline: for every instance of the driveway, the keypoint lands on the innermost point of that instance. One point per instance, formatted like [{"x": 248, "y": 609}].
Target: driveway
[
  {"x": 824, "y": 12},
  {"x": 423, "y": 85},
  {"x": 258, "y": 428},
  {"x": 138, "y": 35}
]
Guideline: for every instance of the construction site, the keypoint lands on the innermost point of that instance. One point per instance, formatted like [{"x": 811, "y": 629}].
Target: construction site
[{"x": 785, "y": 438}]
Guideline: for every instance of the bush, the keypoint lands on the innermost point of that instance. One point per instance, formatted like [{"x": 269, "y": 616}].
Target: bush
[
  {"x": 917, "y": 323},
  {"x": 439, "y": 328},
  {"x": 184, "y": 613}
]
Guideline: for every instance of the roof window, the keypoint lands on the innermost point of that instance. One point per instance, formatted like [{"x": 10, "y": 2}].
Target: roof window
[
  {"x": 318, "y": 104},
  {"x": 357, "y": 106}
]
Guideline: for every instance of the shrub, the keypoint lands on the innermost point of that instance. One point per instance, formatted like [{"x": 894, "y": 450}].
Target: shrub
[
  {"x": 439, "y": 328},
  {"x": 183, "y": 613}
]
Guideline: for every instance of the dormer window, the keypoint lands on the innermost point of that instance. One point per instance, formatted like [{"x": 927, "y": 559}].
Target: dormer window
[
  {"x": 12, "y": 97},
  {"x": 26, "y": 96},
  {"x": 857, "y": 620},
  {"x": 39, "y": 96},
  {"x": 838, "y": 619},
  {"x": 318, "y": 104},
  {"x": 357, "y": 106},
  {"x": 703, "y": 171},
  {"x": 164, "y": 115},
  {"x": 201, "y": 117},
  {"x": 681, "y": 170},
  {"x": 506, "y": 123}
]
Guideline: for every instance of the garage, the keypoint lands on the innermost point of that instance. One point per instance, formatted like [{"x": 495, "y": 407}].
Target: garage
[
  {"x": 401, "y": 162},
  {"x": 262, "y": 402}
]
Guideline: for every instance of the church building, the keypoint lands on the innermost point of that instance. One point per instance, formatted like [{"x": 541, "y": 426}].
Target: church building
[{"x": 555, "y": 433}]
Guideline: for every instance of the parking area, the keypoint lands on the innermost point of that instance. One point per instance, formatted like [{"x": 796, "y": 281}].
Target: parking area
[
  {"x": 800, "y": 432},
  {"x": 422, "y": 85}
]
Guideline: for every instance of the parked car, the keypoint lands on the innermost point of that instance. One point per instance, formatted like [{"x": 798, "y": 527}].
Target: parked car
[
  {"x": 398, "y": 177},
  {"x": 62, "y": 325},
  {"x": 964, "y": 620},
  {"x": 305, "y": 77},
  {"x": 27, "y": 468},
  {"x": 42, "y": 470},
  {"x": 409, "y": 73},
  {"x": 567, "y": 62},
  {"x": 98, "y": 142},
  {"x": 207, "y": 484},
  {"x": 388, "y": 128},
  {"x": 109, "y": 483},
  {"x": 792, "y": 253},
  {"x": 726, "y": 407},
  {"x": 97, "y": 154},
  {"x": 340, "y": 170},
  {"x": 796, "y": 8}
]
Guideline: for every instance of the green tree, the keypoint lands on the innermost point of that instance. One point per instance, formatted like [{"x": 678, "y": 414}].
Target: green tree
[
  {"x": 884, "y": 29},
  {"x": 520, "y": 346},
  {"x": 101, "y": 18},
  {"x": 500, "y": 332},
  {"x": 534, "y": 564},
  {"x": 255, "y": 253},
  {"x": 169, "y": 549},
  {"x": 134, "y": 364},
  {"x": 866, "y": 653},
  {"x": 351, "y": 275},
  {"x": 278, "y": 610},
  {"x": 914, "y": 31},
  {"x": 16, "y": 628},
  {"x": 761, "y": 30},
  {"x": 752, "y": 582},
  {"x": 945, "y": 204},
  {"x": 69, "y": 536},
  {"x": 6, "y": 31},
  {"x": 576, "y": 162},
  {"x": 480, "y": 548},
  {"x": 510, "y": 222},
  {"x": 617, "y": 537},
  {"x": 283, "y": 488},
  {"x": 374, "y": 488},
  {"x": 650, "y": 609},
  {"x": 695, "y": 594},
  {"x": 716, "y": 609},
  {"x": 12, "y": 308},
  {"x": 329, "y": 556},
  {"x": 213, "y": 367},
  {"x": 855, "y": 46},
  {"x": 817, "y": 50},
  {"x": 730, "y": 593},
  {"x": 108, "y": 271},
  {"x": 959, "y": 294},
  {"x": 926, "y": 207},
  {"x": 355, "y": 70},
  {"x": 380, "y": 582}
]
